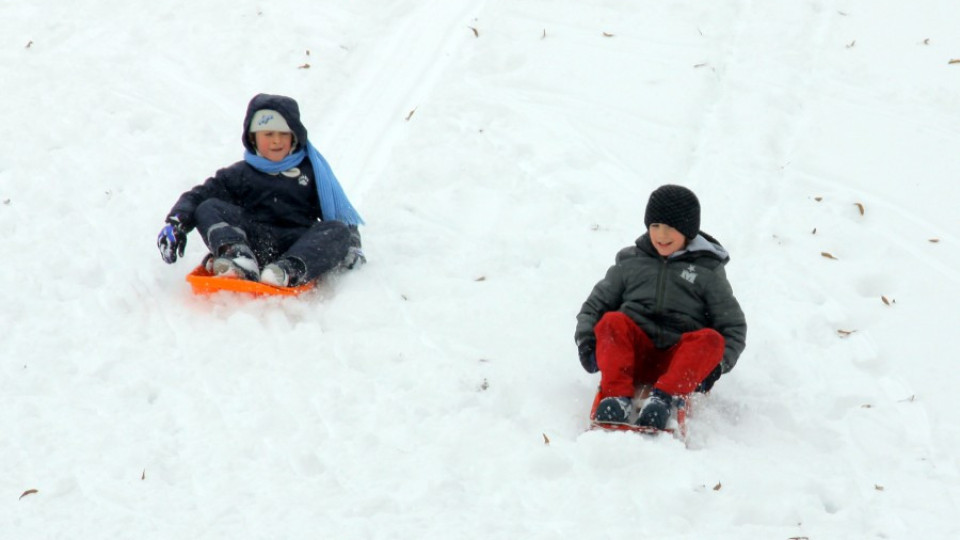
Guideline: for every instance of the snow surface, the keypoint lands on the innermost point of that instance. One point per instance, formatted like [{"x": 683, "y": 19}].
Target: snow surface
[{"x": 501, "y": 152}]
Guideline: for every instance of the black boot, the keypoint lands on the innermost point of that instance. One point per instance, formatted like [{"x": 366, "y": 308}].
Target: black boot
[
  {"x": 236, "y": 260},
  {"x": 657, "y": 410},
  {"x": 284, "y": 273},
  {"x": 614, "y": 410}
]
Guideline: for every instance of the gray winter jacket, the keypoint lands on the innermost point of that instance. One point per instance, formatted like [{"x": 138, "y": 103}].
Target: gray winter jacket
[{"x": 668, "y": 297}]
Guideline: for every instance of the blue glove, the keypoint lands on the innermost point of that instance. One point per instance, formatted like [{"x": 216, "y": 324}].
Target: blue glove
[
  {"x": 587, "y": 349},
  {"x": 172, "y": 240}
]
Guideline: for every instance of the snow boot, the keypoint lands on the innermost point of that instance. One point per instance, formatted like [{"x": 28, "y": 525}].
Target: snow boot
[
  {"x": 656, "y": 411},
  {"x": 614, "y": 410},
  {"x": 237, "y": 260},
  {"x": 283, "y": 273},
  {"x": 207, "y": 263}
]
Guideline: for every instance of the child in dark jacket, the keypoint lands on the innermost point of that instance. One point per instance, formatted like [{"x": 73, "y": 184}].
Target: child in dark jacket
[
  {"x": 279, "y": 216},
  {"x": 664, "y": 315}
]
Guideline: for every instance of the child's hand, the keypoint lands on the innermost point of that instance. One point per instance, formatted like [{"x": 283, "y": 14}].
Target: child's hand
[
  {"x": 588, "y": 355},
  {"x": 172, "y": 240}
]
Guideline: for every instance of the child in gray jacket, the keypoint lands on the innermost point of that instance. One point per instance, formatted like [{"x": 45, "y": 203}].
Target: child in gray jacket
[{"x": 664, "y": 315}]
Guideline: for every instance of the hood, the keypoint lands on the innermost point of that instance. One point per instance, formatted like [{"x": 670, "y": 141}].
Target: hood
[
  {"x": 706, "y": 243},
  {"x": 702, "y": 245},
  {"x": 287, "y": 107}
]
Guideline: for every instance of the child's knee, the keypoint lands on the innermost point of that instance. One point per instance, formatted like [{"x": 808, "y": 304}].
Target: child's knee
[
  {"x": 212, "y": 208},
  {"x": 613, "y": 321},
  {"x": 709, "y": 338},
  {"x": 714, "y": 337},
  {"x": 333, "y": 233}
]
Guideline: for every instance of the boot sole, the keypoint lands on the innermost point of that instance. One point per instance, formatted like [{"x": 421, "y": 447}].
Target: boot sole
[{"x": 228, "y": 268}]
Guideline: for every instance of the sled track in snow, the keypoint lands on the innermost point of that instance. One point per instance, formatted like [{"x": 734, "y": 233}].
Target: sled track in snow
[
  {"x": 395, "y": 73},
  {"x": 399, "y": 71}
]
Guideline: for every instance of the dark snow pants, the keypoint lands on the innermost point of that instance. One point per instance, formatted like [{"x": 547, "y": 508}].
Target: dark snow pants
[
  {"x": 320, "y": 247},
  {"x": 627, "y": 358}
]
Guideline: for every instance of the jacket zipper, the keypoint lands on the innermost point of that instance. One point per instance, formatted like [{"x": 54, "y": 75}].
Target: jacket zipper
[{"x": 661, "y": 290}]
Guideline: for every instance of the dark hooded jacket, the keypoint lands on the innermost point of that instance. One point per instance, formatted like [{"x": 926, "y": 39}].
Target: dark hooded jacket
[
  {"x": 667, "y": 297},
  {"x": 288, "y": 199}
]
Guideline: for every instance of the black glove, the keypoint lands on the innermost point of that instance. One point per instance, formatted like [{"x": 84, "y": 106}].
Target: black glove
[
  {"x": 172, "y": 240},
  {"x": 707, "y": 383},
  {"x": 588, "y": 354}
]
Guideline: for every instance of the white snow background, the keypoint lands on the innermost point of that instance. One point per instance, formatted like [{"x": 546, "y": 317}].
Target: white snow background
[{"x": 501, "y": 153}]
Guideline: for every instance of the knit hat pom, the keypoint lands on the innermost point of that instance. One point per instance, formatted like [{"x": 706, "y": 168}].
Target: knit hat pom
[{"x": 675, "y": 206}]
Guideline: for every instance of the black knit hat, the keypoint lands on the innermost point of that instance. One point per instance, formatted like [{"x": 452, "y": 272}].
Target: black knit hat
[{"x": 675, "y": 206}]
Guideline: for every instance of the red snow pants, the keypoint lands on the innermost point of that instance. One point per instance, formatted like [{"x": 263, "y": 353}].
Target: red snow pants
[{"x": 627, "y": 358}]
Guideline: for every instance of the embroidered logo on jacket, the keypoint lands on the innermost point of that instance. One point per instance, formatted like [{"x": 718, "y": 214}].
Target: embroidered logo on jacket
[{"x": 690, "y": 274}]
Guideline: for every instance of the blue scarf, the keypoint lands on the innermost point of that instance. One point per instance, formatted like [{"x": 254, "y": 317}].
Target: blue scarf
[{"x": 333, "y": 201}]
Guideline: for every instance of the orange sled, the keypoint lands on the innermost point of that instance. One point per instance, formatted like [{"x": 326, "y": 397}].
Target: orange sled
[{"x": 204, "y": 282}]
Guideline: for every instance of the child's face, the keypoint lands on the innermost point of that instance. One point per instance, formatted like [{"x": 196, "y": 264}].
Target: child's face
[
  {"x": 274, "y": 145},
  {"x": 666, "y": 239}
]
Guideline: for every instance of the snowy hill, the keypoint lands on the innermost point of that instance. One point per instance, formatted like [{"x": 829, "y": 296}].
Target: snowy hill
[{"x": 501, "y": 153}]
